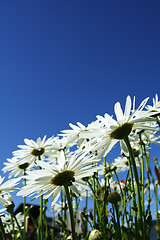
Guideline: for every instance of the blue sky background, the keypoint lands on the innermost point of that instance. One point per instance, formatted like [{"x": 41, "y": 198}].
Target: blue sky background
[{"x": 67, "y": 61}]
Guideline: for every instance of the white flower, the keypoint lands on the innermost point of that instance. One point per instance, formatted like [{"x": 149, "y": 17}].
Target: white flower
[
  {"x": 50, "y": 180},
  {"x": 121, "y": 164},
  {"x": 33, "y": 151},
  {"x": 112, "y": 131},
  {"x": 7, "y": 187},
  {"x": 74, "y": 134},
  {"x": 156, "y": 105},
  {"x": 8, "y": 201},
  {"x": 8, "y": 226},
  {"x": 17, "y": 166},
  {"x": 59, "y": 145},
  {"x": 148, "y": 137}
]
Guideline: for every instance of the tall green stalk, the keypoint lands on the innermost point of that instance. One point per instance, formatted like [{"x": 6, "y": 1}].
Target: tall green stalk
[
  {"x": 149, "y": 190},
  {"x": 133, "y": 198},
  {"x": 94, "y": 202},
  {"x": 123, "y": 198},
  {"x": 118, "y": 221},
  {"x": 18, "y": 226},
  {"x": 105, "y": 200},
  {"x": 142, "y": 177},
  {"x": 41, "y": 216},
  {"x": 70, "y": 211},
  {"x": 24, "y": 210},
  {"x": 52, "y": 231},
  {"x": 96, "y": 199},
  {"x": 2, "y": 230},
  {"x": 157, "y": 217},
  {"x": 40, "y": 226},
  {"x": 12, "y": 223},
  {"x": 137, "y": 186}
]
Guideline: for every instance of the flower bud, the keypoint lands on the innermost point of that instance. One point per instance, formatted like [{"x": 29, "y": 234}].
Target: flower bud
[
  {"x": 114, "y": 197},
  {"x": 95, "y": 235},
  {"x": 69, "y": 237}
]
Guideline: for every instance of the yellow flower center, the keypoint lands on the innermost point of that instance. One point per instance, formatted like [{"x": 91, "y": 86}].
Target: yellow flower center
[
  {"x": 63, "y": 178},
  {"x": 38, "y": 152},
  {"x": 121, "y": 131}
]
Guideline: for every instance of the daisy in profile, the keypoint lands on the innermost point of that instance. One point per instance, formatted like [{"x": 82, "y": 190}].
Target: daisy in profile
[
  {"x": 155, "y": 108},
  {"x": 16, "y": 167},
  {"x": 6, "y": 187},
  {"x": 112, "y": 131},
  {"x": 51, "y": 179},
  {"x": 33, "y": 151},
  {"x": 121, "y": 164},
  {"x": 8, "y": 225},
  {"x": 60, "y": 144},
  {"x": 74, "y": 134}
]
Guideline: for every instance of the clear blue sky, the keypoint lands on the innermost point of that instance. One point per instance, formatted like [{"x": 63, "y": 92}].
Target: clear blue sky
[{"x": 67, "y": 61}]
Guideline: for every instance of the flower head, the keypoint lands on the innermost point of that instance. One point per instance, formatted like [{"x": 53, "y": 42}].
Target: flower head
[
  {"x": 50, "y": 180},
  {"x": 8, "y": 226},
  {"x": 17, "y": 166},
  {"x": 155, "y": 108},
  {"x": 33, "y": 151},
  {"x": 111, "y": 131},
  {"x": 121, "y": 163},
  {"x": 7, "y": 187},
  {"x": 95, "y": 235}
]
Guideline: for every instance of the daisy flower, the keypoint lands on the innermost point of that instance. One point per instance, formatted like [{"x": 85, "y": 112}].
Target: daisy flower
[
  {"x": 155, "y": 107},
  {"x": 33, "y": 151},
  {"x": 74, "y": 134},
  {"x": 17, "y": 167},
  {"x": 7, "y": 187},
  {"x": 8, "y": 204},
  {"x": 51, "y": 178},
  {"x": 59, "y": 145},
  {"x": 114, "y": 131},
  {"x": 148, "y": 137},
  {"x": 8, "y": 226},
  {"x": 121, "y": 164}
]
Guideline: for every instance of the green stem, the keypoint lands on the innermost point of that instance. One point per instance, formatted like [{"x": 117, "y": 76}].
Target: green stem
[
  {"x": 40, "y": 227},
  {"x": 96, "y": 199},
  {"x": 137, "y": 186},
  {"x": 2, "y": 230},
  {"x": 156, "y": 202},
  {"x": 86, "y": 209},
  {"x": 52, "y": 223},
  {"x": 70, "y": 211},
  {"x": 105, "y": 199},
  {"x": 118, "y": 221},
  {"x": 133, "y": 197},
  {"x": 148, "y": 183},
  {"x": 121, "y": 194},
  {"x": 19, "y": 228},
  {"x": 94, "y": 203},
  {"x": 24, "y": 210},
  {"x": 142, "y": 177},
  {"x": 12, "y": 223},
  {"x": 41, "y": 216}
]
